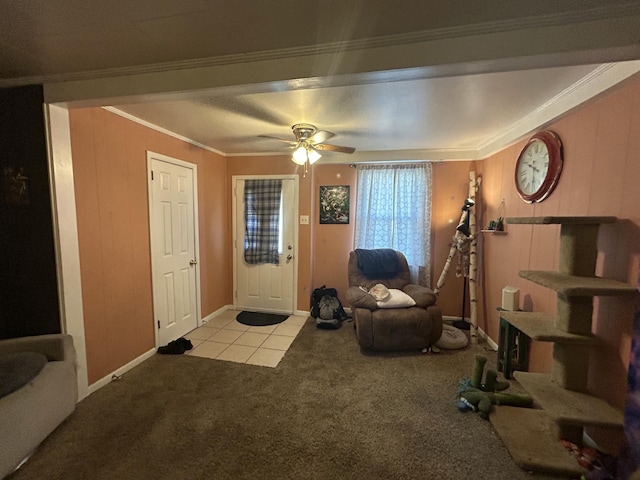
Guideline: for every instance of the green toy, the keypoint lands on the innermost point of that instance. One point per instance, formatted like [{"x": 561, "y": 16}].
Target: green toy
[
  {"x": 474, "y": 395},
  {"x": 490, "y": 384},
  {"x": 483, "y": 401}
]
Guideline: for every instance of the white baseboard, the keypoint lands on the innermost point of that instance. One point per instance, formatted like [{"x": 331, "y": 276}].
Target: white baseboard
[
  {"x": 137, "y": 361},
  {"x": 488, "y": 339},
  {"x": 214, "y": 314},
  {"x": 119, "y": 372},
  {"x": 482, "y": 333}
]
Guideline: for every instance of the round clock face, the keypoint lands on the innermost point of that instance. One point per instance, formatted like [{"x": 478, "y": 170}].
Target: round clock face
[{"x": 538, "y": 167}]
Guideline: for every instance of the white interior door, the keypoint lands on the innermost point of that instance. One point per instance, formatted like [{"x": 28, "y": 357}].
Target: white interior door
[
  {"x": 173, "y": 246},
  {"x": 266, "y": 287}
]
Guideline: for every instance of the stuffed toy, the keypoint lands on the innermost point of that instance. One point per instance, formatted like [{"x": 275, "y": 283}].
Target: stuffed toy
[
  {"x": 483, "y": 401},
  {"x": 477, "y": 396},
  {"x": 490, "y": 384}
]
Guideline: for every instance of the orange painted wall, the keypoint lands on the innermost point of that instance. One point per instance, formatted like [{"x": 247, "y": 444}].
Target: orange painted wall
[
  {"x": 282, "y": 165},
  {"x": 332, "y": 243},
  {"x": 110, "y": 173},
  {"x": 600, "y": 177},
  {"x": 323, "y": 250},
  {"x": 450, "y": 187}
]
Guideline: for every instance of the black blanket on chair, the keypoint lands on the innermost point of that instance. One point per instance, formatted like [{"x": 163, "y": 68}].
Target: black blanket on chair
[{"x": 378, "y": 263}]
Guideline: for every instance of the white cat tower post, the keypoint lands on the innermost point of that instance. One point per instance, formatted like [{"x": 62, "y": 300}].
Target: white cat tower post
[{"x": 464, "y": 246}]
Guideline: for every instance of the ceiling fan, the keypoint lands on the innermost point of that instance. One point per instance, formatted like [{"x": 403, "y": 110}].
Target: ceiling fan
[{"x": 309, "y": 142}]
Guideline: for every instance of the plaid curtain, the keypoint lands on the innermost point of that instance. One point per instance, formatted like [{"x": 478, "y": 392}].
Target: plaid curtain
[{"x": 262, "y": 219}]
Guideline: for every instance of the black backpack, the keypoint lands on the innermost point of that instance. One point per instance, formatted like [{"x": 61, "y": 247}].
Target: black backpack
[{"x": 326, "y": 308}]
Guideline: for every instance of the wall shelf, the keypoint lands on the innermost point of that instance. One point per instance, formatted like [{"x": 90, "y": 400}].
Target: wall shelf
[{"x": 494, "y": 232}]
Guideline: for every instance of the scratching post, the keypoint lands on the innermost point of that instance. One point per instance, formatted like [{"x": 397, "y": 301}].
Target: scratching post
[
  {"x": 474, "y": 184},
  {"x": 458, "y": 240},
  {"x": 464, "y": 245}
]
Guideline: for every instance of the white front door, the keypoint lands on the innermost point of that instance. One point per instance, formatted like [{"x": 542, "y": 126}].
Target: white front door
[
  {"x": 172, "y": 215},
  {"x": 266, "y": 287}
]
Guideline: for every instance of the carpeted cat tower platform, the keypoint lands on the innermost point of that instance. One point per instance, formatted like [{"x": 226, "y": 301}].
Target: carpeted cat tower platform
[{"x": 533, "y": 436}]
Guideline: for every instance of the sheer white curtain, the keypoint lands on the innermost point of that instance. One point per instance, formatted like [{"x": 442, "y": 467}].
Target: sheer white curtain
[{"x": 393, "y": 210}]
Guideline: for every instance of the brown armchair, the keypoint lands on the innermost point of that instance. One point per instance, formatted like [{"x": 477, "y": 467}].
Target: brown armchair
[{"x": 391, "y": 329}]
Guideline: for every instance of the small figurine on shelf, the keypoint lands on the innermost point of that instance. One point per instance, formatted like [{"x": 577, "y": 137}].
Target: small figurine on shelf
[{"x": 499, "y": 227}]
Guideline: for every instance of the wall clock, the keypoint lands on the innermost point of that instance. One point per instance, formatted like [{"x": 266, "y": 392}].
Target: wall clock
[{"x": 539, "y": 166}]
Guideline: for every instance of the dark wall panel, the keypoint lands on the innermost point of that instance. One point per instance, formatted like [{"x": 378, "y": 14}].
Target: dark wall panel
[{"x": 28, "y": 287}]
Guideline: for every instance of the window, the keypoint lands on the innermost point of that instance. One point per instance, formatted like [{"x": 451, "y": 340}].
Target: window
[
  {"x": 263, "y": 224},
  {"x": 393, "y": 210}
]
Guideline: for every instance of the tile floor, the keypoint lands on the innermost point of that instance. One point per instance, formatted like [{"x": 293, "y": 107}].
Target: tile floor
[{"x": 224, "y": 338}]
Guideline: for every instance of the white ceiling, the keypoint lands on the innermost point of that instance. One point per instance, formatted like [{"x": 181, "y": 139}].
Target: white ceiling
[
  {"x": 403, "y": 79},
  {"x": 453, "y": 113}
]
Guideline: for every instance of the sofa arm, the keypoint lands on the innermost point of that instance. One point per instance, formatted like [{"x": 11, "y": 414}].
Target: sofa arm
[
  {"x": 57, "y": 347},
  {"x": 423, "y": 296},
  {"x": 360, "y": 299},
  {"x": 435, "y": 316}
]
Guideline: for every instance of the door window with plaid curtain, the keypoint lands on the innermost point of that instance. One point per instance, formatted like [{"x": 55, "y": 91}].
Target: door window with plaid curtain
[{"x": 263, "y": 217}]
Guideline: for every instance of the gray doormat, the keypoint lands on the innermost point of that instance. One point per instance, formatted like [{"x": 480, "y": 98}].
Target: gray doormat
[{"x": 258, "y": 319}]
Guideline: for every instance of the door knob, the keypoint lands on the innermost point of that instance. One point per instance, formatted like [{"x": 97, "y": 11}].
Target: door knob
[
  {"x": 289, "y": 257},
  {"x": 192, "y": 262}
]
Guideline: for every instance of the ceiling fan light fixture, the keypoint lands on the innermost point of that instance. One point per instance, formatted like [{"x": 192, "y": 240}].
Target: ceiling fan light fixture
[
  {"x": 308, "y": 143},
  {"x": 299, "y": 155},
  {"x": 313, "y": 156}
]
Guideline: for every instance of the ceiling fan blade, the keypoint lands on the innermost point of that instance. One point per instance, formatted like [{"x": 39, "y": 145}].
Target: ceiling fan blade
[
  {"x": 291, "y": 143},
  {"x": 333, "y": 148},
  {"x": 247, "y": 108},
  {"x": 321, "y": 136}
]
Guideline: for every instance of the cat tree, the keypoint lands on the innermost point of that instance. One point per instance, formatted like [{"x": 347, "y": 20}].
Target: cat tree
[
  {"x": 465, "y": 245},
  {"x": 533, "y": 436}
]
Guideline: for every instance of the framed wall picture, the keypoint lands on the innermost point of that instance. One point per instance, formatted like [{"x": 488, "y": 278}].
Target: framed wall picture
[
  {"x": 334, "y": 204},
  {"x": 16, "y": 186}
]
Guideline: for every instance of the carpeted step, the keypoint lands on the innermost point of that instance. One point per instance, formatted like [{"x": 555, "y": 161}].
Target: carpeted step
[
  {"x": 578, "y": 241},
  {"x": 525, "y": 432},
  {"x": 575, "y": 286},
  {"x": 541, "y": 327},
  {"x": 568, "y": 407}
]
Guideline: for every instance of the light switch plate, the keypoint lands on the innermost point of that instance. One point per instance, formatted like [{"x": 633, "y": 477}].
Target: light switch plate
[{"x": 304, "y": 219}]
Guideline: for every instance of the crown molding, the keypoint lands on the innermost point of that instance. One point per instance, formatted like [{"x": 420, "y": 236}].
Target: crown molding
[
  {"x": 599, "y": 80},
  {"x": 439, "y": 154},
  {"x": 357, "y": 157},
  {"x": 144, "y": 123},
  {"x": 428, "y": 155},
  {"x": 599, "y": 13}
]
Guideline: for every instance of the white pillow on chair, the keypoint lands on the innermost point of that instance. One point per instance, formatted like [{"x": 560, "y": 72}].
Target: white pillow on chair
[
  {"x": 379, "y": 292},
  {"x": 396, "y": 299}
]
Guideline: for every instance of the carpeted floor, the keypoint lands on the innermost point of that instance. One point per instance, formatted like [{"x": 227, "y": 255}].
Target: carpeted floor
[{"x": 327, "y": 412}]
